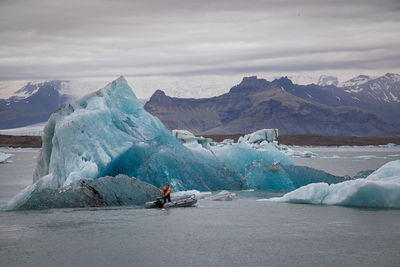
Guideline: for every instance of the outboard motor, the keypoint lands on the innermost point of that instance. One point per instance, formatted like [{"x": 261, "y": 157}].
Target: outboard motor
[{"x": 159, "y": 203}]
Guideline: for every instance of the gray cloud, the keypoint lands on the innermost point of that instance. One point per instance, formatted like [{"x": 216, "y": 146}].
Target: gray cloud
[{"x": 88, "y": 39}]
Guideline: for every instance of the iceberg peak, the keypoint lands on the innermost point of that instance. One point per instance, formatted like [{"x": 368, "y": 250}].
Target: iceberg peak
[
  {"x": 117, "y": 83},
  {"x": 121, "y": 79}
]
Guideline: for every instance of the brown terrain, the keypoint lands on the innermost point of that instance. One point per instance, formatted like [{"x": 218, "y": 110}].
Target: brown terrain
[
  {"x": 300, "y": 140},
  {"x": 20, "y": 141}
]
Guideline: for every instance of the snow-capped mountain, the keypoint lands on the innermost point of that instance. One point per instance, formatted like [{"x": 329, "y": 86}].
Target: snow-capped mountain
[
  {"x": 380, "y": 95},
  {"x": 32, "y": 88},
  {"x": 33, "y": 103},
  {"x": 325, "y": 80},
  {"x": 384, "y": 89},
  {"x": 356, "y": 81}
]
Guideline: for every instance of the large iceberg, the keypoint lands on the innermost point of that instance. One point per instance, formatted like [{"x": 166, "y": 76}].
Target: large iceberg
[
  {"x": 109, "y": 133},
  {"x": 381, "y": 189}
]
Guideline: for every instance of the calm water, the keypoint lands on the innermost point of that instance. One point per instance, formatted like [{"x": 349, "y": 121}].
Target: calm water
[{"x": 234, "y": 233}]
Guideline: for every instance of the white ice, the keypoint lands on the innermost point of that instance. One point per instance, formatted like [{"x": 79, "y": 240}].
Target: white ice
[
  {"x": 199, "y": 195},
  {"x": 269, "y": 135},
  {"x": 223, "y": 196},
  {"x": 4, "y": 157},
  {"x": 186, "y": 137},
  {"x": 296, "y": 153},
  {"x": 381, "y": 189}
]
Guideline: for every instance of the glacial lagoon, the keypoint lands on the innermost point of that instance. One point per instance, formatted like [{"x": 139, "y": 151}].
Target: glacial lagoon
[{"x": 242, "y": 232}]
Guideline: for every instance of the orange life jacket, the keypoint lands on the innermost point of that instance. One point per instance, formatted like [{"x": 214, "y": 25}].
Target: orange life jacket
[{"x": 167, "y": 190}]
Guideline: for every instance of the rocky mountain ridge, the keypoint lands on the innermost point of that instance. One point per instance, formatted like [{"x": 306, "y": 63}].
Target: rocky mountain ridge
[{"x": 257, "y": 103}]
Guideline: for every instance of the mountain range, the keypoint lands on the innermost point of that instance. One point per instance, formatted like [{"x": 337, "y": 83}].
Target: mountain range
[
  {"x": 33, "y": 103},
  {"x": 380, "y": 96},
  {"x": 361, "y": 106},
  {"x": 364, "y": 107}
]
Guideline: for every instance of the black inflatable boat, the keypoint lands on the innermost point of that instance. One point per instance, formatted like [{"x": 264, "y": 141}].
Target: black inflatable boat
[{"x": 183, "y": 201}]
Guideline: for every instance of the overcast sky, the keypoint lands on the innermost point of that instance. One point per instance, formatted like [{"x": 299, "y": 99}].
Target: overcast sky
[{"x": 164, "y": 42}]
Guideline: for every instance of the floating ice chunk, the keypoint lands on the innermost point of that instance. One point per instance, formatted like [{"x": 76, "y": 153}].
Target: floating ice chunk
[
  {"x": 366, "y": 157},
  {"x": 311, "y": 194},
  {"x": 186, "y": 137},
  {"x": 331, "y": 157},
  {"x": 295, "y": 153},
  {"x": 4, "y": 157},
  {"x": 259, "y": 136},
  {"x": 306, "y": 154},
  {"x": 199, "y": 195},
  {"x": 105, "y": 191},
  {"x": 228, "y": 141},
  {"x": 223, "y": 196},
  {"x": 381, "y": 189}
]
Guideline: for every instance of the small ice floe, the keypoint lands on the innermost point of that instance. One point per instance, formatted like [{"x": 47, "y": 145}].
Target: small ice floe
[
  {"x": 366, "y": 157},
  {"x": 5, "y": 158},
  {"x": 223, "y": 196},
  {"x": 388, "y": 145},
  {"x": 186, "y": 137},
  {"x": 297, "y": 154},
  {"x": 269, "y": 135},
  {"x": 199, "y": 195},
  {"x": 332, "y": 157}
]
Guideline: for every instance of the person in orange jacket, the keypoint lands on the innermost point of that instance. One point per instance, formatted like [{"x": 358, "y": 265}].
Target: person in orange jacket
[{"x": 166, "y": 193}]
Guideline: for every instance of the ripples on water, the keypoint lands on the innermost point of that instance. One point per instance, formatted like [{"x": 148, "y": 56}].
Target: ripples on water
[{"x": 242, "y": 232}]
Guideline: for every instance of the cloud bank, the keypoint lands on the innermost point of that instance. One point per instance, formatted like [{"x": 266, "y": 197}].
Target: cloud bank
[{"x": 73, "y": 39}]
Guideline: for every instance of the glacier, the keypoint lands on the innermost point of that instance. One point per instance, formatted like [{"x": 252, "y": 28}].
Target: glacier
[
  {"x": 381, "y": 189},
  {"x": 108, "y": 133}
]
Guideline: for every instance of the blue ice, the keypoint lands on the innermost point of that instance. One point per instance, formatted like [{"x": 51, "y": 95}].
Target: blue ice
[{"x": 381, "y": 189}]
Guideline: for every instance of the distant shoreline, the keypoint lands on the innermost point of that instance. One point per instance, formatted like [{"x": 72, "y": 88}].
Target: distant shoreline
[
  {"x": 299, "y": 140},
  {"x": 319, "y": 140},
  {"x": 20, "y": 141}
]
